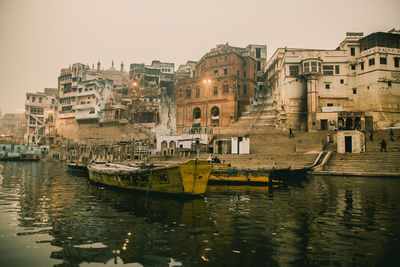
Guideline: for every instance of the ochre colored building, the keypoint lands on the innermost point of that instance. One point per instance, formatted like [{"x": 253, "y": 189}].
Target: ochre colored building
[{"x": 224, "y": 83}]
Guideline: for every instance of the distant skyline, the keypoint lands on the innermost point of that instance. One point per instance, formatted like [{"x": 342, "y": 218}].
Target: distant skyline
[{"x": 38, "y": 38}]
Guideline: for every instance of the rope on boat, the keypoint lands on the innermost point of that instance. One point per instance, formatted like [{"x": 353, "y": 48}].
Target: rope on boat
[{"x": 148, "y": 188}]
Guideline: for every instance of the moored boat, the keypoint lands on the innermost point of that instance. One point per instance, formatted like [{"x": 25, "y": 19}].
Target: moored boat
[
  {"x": 77, "y": 167},
  {"x": 224, "y": 174},
  {"x": 188, "y": 178}
]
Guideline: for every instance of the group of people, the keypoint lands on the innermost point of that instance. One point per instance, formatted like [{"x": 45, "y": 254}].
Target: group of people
[{"x": 212, "y": 159}]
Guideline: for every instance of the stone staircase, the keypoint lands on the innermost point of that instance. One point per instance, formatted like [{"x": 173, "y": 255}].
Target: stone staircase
[
  {"x": 378, "y": 135},
  {"x": 262, "y": 117},
  {"x": 366, "y": 164}
]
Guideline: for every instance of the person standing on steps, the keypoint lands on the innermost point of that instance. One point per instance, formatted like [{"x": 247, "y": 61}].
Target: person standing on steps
[
  {"x": 391, "y": 135},
  {"x": 383, "y": 145}
]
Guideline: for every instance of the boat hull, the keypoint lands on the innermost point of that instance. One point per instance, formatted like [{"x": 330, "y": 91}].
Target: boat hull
[
  {"x": 239, "y": 176},
  {"x": 188, "y": 178}
]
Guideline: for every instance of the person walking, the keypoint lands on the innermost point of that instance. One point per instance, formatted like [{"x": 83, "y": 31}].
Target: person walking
[
  {"x": 383, "y": 145},
  {"x": 391, "y": 135}
]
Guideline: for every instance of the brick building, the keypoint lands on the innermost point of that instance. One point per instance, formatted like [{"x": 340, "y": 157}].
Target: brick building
[{"x": 223, "y": 85}]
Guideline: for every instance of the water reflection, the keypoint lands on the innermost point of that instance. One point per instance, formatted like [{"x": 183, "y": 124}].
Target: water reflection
[{"x": 53, "y": 217}]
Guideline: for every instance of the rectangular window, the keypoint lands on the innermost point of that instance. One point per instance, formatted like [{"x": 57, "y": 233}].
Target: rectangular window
[
  {"x": 389, "y": 83},
  {"x": 362, "y": 65},
  {"x": 40, "y": 100},
  {"x": 188, "y": 93},
  {"x": 215, "y": 90},
  {"x": 244, "y": 89},
  {"x": 306, "y": 67},
  {"x": 33, "y": 99},
  {"x": 396, "y": 62},
  {"x": 258, "y": 66},
  {"x": 238, "y": 73},
  {"x": 371, "y": 61},
  {"x": 314, "y": 66},
  {"x": 353, "y": 67},
  {"x": 341, "y": 81},
  {"x": 244, "y": 74},
  {"x": 258, "y": 52},
  {"x": 225, "y": 71},
  {"x": 215, "y": 72},
  {"x": 197, "y": 91},
  {"x": 327, "y": 86},
  {"x": 337, "y": 70},
  {"x": 225, "y": 88},
  {"x": 328, "y": 69},
  {"x": 329, "y": 104},
  {"x": 354, "y": 91},
  {"x": 294, "y": 71},
  {"x": 352, "y": 51},
  {"x": 383, "y": 60}
]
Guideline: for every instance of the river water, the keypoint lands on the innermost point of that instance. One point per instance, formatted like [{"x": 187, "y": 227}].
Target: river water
[{"x": 51, "y": 217}]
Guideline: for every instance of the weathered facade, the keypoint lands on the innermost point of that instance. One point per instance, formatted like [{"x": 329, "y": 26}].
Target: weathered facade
[
  {"x": 224, "y": 83},
  {"x": 40, "y": 113},
  {"x": 356, "y": 86},
  {"x": 12, "y": 128}
]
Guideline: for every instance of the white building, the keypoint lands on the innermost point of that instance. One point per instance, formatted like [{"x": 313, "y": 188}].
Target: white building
[
  {"x": 356, "y": 86},
  {"x": 91, "y": 98}
]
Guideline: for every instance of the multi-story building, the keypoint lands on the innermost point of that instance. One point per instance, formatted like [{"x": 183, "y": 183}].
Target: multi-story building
[
  {"x": 146, "y": 77},
  {"x": 91, "y": 98},
  {"x": 355, "y": 86},
  {"x": 40, "y": 113},
  {"x": 83, "y": 91},
  {"x": 186, "y": 70},
  {"x": 224, "y": 82}
]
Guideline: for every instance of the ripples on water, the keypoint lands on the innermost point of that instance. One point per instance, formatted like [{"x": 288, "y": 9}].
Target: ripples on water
[{"x": 51, "y": 217}]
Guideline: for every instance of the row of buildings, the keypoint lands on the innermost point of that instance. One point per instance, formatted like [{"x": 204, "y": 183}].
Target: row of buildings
[{"x": 355, "y": 86}]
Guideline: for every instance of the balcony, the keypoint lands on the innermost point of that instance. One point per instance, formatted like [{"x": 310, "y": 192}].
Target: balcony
[
  {"x": 86, "y": 106},
  {"x": 311, "y": 67},
  {"x": 86, "y": 115},
  {"x": 66, "y": 115},
  {"x": 88, "y": 93}
]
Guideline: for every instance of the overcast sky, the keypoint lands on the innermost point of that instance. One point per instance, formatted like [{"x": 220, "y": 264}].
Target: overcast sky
[{"x": 38, "y": 38}]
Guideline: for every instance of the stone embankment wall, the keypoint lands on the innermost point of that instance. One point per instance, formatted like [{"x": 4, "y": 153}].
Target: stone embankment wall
[{"x": 94, "y": 133}]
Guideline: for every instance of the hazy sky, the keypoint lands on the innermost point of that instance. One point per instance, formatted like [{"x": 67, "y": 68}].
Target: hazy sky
[{"x": 38, "y": 38}]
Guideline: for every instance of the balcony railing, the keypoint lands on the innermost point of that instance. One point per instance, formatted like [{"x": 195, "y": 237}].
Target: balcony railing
[
  {"x": 86, "y": 115},
  {"x": 86, "y": 106}
]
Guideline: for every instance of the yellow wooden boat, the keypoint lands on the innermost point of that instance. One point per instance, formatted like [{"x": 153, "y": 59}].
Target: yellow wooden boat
[
  {"x": 226, "y": 174},
  {"x": 223, "y": 174},
  {"x": 188, "y": 178}
]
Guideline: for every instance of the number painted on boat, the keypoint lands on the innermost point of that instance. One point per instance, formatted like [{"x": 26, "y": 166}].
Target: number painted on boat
[{"x": 163, "y": 178}]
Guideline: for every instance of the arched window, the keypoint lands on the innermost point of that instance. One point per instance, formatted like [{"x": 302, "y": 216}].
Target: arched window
[
  {"x": 164, "y": 144},
  {"x": 214, "y": 111},
  {"x": 215, "y": 115},
  {"x": 196, "y": 113}
]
